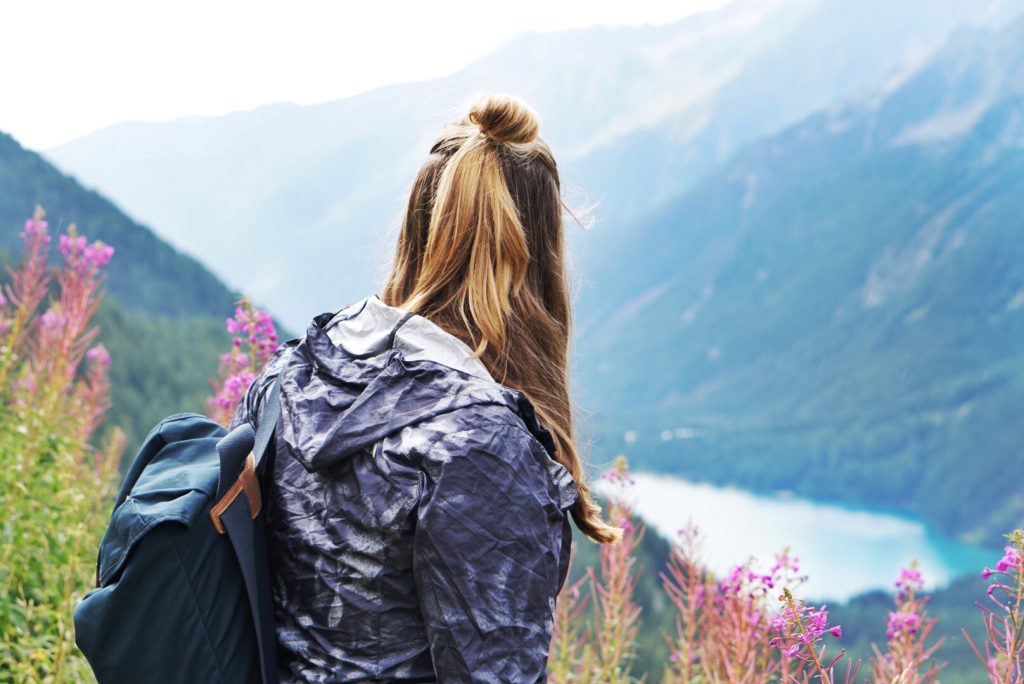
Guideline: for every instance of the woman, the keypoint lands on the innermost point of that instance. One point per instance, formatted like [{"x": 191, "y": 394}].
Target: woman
[{"x": 425, "y": 462}]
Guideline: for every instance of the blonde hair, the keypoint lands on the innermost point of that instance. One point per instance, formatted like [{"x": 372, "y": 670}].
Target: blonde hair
[{"x": 481, "y": 253}]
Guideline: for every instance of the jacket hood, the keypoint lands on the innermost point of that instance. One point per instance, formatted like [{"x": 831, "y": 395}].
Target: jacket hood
[{"x": 370, "y": 370}]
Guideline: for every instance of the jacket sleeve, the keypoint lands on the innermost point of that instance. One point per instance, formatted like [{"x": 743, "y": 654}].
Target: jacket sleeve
[{"x": 486, "y": 555}]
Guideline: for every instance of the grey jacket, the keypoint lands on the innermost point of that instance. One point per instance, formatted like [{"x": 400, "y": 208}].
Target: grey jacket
[{"x": 417, "y": 524}]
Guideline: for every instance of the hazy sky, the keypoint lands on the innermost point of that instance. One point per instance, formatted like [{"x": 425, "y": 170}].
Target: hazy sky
[{"x": 68, "y": 68}]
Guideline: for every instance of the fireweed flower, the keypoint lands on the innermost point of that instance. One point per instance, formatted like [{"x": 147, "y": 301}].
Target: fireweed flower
[
  {"x": 42, "y": 355},
  {"x": 1003, "y": 656},
  {"x": 52, "y": 320},
  {"x": 800, "y": 628},
  {"x": 98, "y": 254},
  {"x": 908, "y": 657},
  {"x": 619, "y": 474},
  {"x": 236, "y": 361},
  {"x": 35, "y": 229},
  {"x": 98, "y": 355},
  {"x": 26, "y": 291},
  {"x": 80, "y": 256},
  {"x": 604, "y": 648},
  {"x": 68, "y": 245},
  {"x": 910, "y": 580},
  {"x": 1010, "y": 561},
  {"x": 54, "y": 393},
  {"x": 235, "y": 388},
  {"x": 730, "y": 628},
  {"x": 902, "y": 624},
  {"x": 254, "y": 341},
  {"x": 810, "y": 622}
]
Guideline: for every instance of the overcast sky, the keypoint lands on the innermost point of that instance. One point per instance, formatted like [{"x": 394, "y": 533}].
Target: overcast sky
[{"x": 69, "y": 68}]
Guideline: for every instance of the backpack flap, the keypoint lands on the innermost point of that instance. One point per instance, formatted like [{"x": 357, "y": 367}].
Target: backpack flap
[{"x": 164, "y": 491}]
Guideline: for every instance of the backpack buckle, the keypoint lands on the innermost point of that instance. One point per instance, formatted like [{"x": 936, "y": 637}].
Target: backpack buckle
[{"x": 247, "y": 482}]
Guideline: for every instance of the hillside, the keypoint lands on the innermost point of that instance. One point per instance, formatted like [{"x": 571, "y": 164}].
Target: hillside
[
  {"x": 163, "y": 316},
  {"x": 149, "y": 275},
  {"x": 839, "y": 310}
]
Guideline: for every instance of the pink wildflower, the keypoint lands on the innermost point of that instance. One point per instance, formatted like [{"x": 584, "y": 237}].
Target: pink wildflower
[
  {"x": 253, "y": 343},
  {"x": 35, "y": 229},
  {"x": 97, "y": 255},
  {"x": 99, "y": 355},
  {"x": 1011, "y": 560},
  {"x": 902, "y": 623},
  {"x": 71, "y": 245},
  {"x": 910, "y": 580},
  {"x": 51, "y": 321}
]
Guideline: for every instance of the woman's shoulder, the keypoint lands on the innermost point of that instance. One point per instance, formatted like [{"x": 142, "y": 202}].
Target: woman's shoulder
[
  {"x": 494, "y": 443},
  {"x": 492, "y": 427}
]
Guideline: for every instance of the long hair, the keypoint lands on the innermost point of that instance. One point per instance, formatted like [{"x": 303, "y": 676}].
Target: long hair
[{"x": 481, "y": 253}]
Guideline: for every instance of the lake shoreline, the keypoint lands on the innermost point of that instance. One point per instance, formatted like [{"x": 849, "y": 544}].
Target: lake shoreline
[{"x": 846, "y": 550}]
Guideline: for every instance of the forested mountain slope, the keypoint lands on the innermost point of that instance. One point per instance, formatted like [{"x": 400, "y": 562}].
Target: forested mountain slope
[{"x": 839, "y": 311}]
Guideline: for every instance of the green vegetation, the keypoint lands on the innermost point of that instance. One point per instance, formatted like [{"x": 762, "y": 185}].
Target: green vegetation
[
  {"x": 55, "y": 484},
  {"x": 163, "y": 316},
  {"x": 863, "y": 621},
  {"x": 159, "y": 365}
]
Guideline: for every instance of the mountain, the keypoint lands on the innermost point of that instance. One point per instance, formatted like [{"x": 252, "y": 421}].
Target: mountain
[
  {"x": 839, "y": 310},
  {"x": 635, "y": 116},
  {"x": 163, "y": 316},
  {"x": 148, "y": 275},
  {"x": 826, "y": 303}
]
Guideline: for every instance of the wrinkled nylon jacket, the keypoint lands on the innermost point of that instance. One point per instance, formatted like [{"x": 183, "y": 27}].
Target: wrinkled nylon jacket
[{"x": 417, "y": 524}]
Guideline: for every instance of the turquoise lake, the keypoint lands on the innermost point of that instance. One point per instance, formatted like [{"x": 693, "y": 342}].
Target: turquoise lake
[{"x": 843, "y": 550}]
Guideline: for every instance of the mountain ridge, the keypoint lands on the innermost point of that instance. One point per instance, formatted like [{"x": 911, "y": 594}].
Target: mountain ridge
[
  {"x": 29, "y": 180},
  {"x": 634, "y": 116}
]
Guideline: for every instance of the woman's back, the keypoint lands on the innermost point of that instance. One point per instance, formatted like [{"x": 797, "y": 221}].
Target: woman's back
[{"x": 417, "y": 523}]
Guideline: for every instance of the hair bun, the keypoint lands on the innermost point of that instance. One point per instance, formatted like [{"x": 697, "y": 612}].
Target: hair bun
[{"x": 505, "y": 118}]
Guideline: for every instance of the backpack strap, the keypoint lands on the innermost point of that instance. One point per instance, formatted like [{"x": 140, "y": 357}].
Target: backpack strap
[
  {"x": 268, "y": 421},
  {"x": 238, "y": 516}
]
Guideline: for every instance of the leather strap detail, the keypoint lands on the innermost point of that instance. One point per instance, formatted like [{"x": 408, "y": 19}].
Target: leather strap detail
[{"x": 247, "y": 482}]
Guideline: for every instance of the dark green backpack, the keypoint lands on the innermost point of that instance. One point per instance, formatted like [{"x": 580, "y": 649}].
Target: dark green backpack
[{"x": 182, "y": 581}]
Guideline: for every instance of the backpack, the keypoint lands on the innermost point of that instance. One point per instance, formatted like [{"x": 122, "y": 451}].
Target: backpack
[{"x": 182, "y": 579}]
